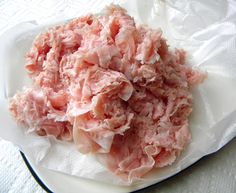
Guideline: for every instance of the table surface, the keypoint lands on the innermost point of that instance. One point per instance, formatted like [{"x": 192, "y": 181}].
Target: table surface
[{"x": 215, "y": 173}]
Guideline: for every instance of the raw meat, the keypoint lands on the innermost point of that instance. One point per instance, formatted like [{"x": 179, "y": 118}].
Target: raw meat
[{"x": 113, "y": 88}]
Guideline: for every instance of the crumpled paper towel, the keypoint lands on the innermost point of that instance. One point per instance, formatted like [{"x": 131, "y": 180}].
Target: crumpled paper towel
[{"x": 206, "y": 29}]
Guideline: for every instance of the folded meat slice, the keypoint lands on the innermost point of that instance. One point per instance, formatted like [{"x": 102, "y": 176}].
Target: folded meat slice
[
  {"x": 98, "y": 108},
  {"x": 93, "y": 81},
  {"x": 149, "y": 41},
  {"x": 157, "y": 134},
  {"x": 96, "y": 135},
  {"x": 42, "y": 112}
]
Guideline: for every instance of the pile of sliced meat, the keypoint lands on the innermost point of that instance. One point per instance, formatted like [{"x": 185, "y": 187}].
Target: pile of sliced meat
[{"x": 112, "y": 88}]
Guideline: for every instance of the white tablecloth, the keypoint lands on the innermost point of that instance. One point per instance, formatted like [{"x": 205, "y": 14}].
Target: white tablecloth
[
  {"x": 14, "y": 175},
  {"x": 216, "y": 173}
]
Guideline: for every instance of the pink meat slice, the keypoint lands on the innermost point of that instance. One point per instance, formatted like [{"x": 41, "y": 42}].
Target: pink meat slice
[
  {"x": 113, "y": 88},
  {"x": 98, "y": 108},
  {"x": 42, "y": 111}
]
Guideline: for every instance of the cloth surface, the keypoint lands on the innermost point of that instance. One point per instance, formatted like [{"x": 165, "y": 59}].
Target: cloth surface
[
  {"x": 215, "y": 173},
  {"x": 14, "y": 174}
]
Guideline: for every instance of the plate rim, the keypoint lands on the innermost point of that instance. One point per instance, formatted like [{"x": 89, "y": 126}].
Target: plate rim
[{"x": 34, "y": 174}]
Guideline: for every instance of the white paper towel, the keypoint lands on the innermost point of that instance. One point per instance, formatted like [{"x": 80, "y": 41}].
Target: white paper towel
[{"x": 205, "y": 29}]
